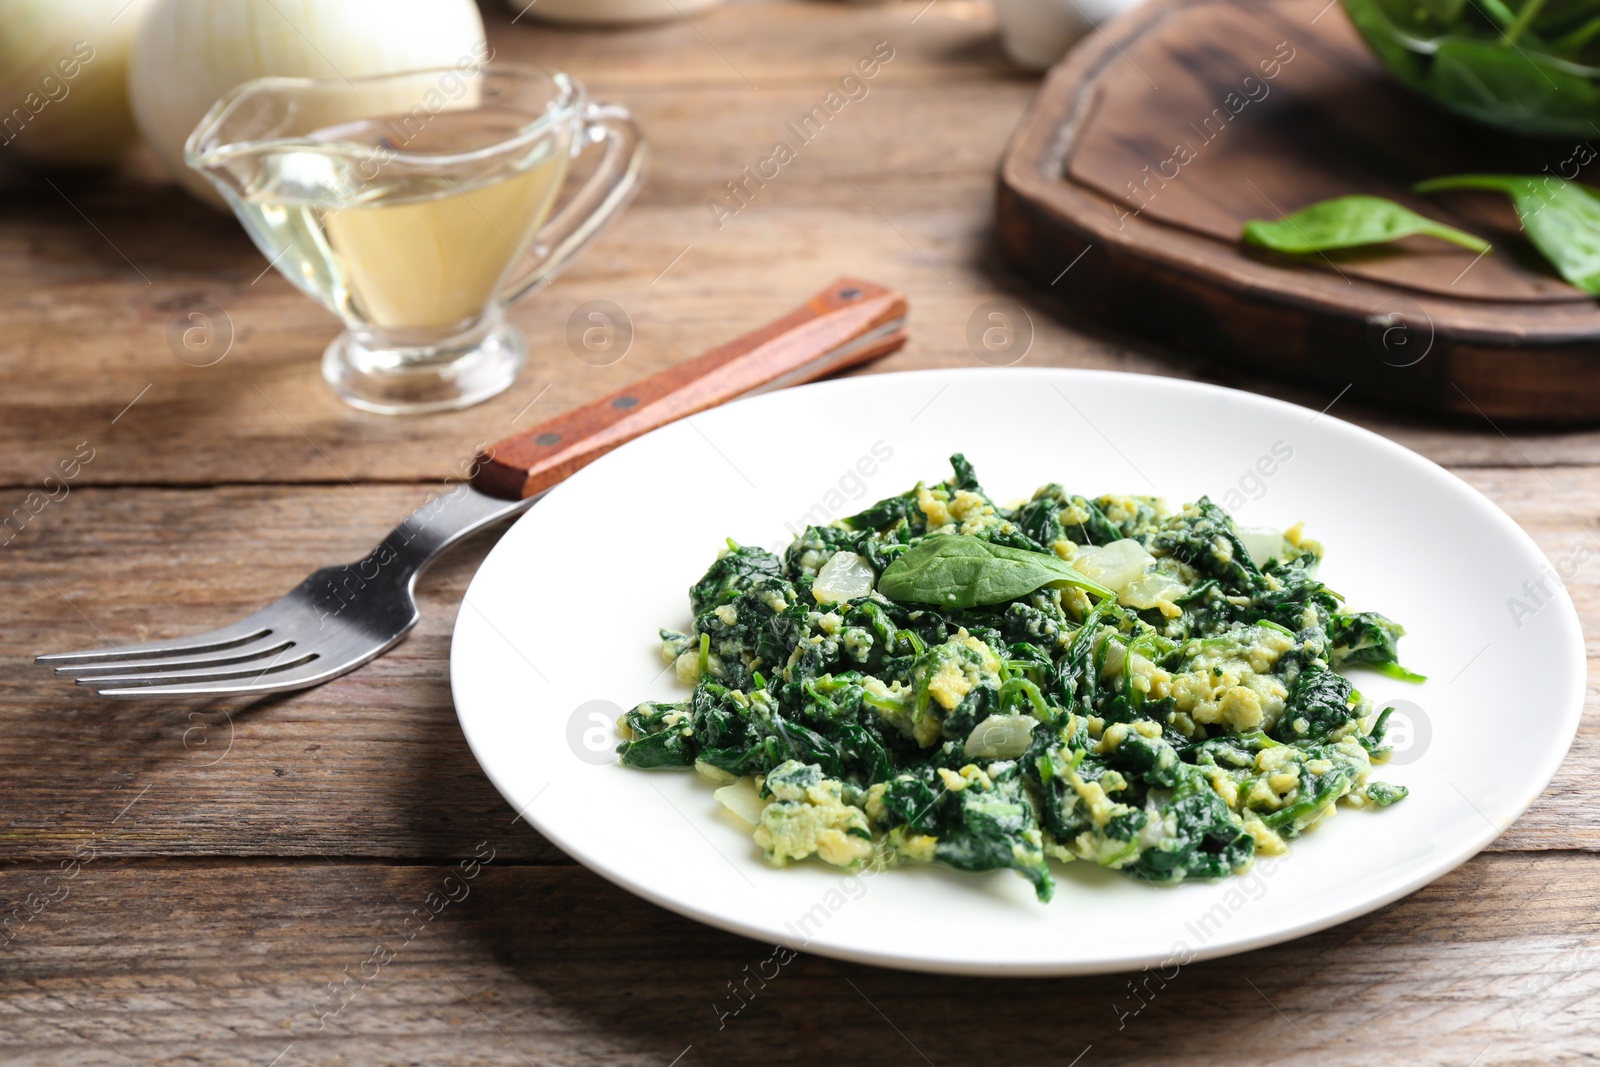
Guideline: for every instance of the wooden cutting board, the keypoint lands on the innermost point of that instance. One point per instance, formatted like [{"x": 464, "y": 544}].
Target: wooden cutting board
[{"x": 1147, "y": 149}]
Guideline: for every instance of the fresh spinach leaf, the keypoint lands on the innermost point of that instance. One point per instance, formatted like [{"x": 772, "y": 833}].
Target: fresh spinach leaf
[
  {"x": 1490, "y": 81},
  {"x": 1523, "y": 65},
  {"x": 1562, "y": 218},
  {"x": 958, "y": 571},
  {"x": 1350, "y": 222}
]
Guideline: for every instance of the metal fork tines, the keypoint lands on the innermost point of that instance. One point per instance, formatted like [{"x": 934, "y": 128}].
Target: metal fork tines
[
  {"x": 261, "y": 652},
  {"x": 334, "y": 621},
  {"x": 273, "y": 649}
]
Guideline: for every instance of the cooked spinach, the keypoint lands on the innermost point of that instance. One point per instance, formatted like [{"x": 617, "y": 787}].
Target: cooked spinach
[
  {"x": 990, "y": 705},
  {"x": 1350, "y": 222},
  {"x": 1369, "y": 639},
  {"x": 1561, "y": 218},
  {"x": 959, "y": 571},
  {"x": 1318, "y": 704}
]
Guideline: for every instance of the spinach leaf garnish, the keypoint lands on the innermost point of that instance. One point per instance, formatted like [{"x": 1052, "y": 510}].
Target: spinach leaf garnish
[
  {"x": 1562, "y": 218},
  {"x": 1350, "y": 222},
  {"x": 958, "y": 571}
]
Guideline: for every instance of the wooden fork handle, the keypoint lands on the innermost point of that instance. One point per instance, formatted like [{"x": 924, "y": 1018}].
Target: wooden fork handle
[{"x": 846, "y": 324}]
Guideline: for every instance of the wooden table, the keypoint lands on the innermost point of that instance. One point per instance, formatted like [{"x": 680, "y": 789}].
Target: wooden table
[{"x": 237, "y": 867}]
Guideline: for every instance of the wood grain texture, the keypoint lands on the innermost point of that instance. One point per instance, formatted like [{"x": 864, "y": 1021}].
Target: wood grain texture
[
  {"x": 371, "y": 764},
  {"x": 244, "y": 857},
  {"x": 1150, "y": 148},
  {"x": 554, "y": 966}
]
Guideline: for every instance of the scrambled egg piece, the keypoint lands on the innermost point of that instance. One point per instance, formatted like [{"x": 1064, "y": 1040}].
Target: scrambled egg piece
[
  {"x": 965, "y": 512},
  {"x": 908, "y": 846},
  {"x": 1119, "y": 509},
  {"x": 1230, "y": 682},
  {"x": 971, "y": 774},
  {"x": 943, "y": 677},
  {"x": 808, "y": 816},
  {"x": 1268, "y": 842}
]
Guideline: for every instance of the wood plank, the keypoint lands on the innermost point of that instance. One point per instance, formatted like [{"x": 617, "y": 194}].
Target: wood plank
[
  {"x": 184, "y": 962},
  {"x": 372, "y": 764},
  {"x": 82, "y": 357},
  {"x": 87, "y": 327},
  {"x": 268, "y": 400}
]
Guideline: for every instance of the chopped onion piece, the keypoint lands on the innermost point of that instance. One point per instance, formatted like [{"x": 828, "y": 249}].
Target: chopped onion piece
[
  {"x": 743, "y": 799},
  {"x": 1149, "y": 590},
  {"x": 845, "y": 576},
  {"x": 714, "y": 774},
  {"x": 1116, "y": 653},
  {"x": 1116, "y": 656},
  {"x": 1000, "y": 737},
  {"x": 1113, "y": 565},
  {"x": 1262, "y": 543}
]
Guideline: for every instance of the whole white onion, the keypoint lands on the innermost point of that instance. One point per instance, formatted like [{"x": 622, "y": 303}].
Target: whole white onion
[
  {"x": 64, "y": 79},
  {"x": 190, "y": 52}
]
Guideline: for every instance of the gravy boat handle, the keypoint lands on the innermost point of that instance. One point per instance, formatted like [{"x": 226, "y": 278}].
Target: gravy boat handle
[{"x": 592, "y": 207}]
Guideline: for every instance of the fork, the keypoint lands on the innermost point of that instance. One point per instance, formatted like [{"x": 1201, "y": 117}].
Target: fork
[{"x": 341, "y": 617}]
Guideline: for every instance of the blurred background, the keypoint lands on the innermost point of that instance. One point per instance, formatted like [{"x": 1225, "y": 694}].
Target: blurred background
[{"x": 123, "y": 283}]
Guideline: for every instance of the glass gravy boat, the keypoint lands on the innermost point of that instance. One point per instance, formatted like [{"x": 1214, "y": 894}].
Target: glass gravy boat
[{"x": 416, "y": 206}]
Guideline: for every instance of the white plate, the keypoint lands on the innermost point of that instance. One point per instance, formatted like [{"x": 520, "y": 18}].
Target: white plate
[{"x": 564, "y": 614}]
